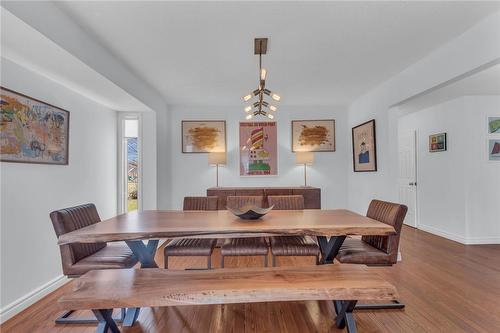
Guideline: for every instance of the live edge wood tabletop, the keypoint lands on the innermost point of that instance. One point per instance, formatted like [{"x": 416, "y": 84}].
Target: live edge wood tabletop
[{"x": 155, "y": 224}]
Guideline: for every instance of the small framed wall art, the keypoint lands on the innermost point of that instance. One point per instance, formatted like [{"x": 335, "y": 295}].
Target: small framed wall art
[
  {"x": 494, "y": 150},
  {"x": 437, "y": 142},
  {"x": 494, "y": 125},
  {"x": 313, "y": 135},
  {"x": 364, "y": 147},
  {"x": 203, "y": 136}
]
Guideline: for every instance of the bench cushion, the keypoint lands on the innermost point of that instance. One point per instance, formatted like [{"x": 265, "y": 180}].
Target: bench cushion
[
  {"x": 106, "y": 289},
  {"x": 190, "y": 247},
  {"x": 294, "y": 246},
  {"x": 244, "y": 247}
]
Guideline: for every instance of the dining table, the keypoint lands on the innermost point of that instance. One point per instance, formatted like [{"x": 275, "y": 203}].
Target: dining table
[{"x": 329, "y": 226}]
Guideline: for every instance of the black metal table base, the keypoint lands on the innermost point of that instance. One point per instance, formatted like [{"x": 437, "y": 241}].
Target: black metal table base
[
  {"x": 65, "y": 318},
  {"x": 329, "y": 248},
  {"x": 146, "y": 256}
]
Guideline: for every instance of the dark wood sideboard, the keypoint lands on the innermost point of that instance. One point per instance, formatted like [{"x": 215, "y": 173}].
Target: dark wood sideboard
[{"x": 312, "y": 195}]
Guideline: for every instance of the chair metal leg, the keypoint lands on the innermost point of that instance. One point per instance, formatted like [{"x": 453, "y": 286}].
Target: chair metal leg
[
  {"x": 265, "y": 260},
  {"x": 221, "y": 261},
  {"x": 166, "y": 262},
  {"x": 209, "y": 262},
  {"x": 274, "y": 260},
  {"x": 65, "y": 318},
  {"x": 394, "y": 305}
]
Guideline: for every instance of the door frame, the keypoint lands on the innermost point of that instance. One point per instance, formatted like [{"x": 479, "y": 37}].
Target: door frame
[{"x": 121, "y": 165}]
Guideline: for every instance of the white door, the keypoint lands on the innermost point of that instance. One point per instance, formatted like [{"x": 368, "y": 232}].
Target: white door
[{"x": 408, "y": 175}]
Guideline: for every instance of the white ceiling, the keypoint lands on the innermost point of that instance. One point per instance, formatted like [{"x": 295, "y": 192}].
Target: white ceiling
[
  {"x": 486, "y": 82},
  {"x": 24, "y": 45},
  {"x": 320, "y": 53}
]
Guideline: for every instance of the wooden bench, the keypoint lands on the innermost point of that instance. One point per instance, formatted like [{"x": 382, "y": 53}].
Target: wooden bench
[{"x": 104, "y": 290}]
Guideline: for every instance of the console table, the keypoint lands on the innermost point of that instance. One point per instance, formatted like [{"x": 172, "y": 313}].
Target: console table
[{"x": 312, "y": 195}]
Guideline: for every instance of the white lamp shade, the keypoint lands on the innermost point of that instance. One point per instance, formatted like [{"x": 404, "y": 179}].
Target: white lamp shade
[
  {"x": 304, "y": 157},
  {"x": 217, "y": 158}
]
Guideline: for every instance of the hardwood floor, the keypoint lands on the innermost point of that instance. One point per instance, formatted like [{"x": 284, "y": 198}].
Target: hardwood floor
[{"x": 446, "y": 286}]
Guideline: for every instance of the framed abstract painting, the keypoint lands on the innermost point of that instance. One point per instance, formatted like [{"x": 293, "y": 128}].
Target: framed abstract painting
[
  {"x": 203, "y": 136},
  {"x": 494, "y": 150},
  {"x": 258, "y": 149},
  {"x": 364, "y": 147},
  {"x": 32, "y": 131},
  {"x": 313, "y": 135},
  {"x": 494, "y": 125},
  {"x": 437, "y": 142}
]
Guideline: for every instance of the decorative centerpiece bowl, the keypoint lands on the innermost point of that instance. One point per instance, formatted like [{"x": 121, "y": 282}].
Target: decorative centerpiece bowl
[{"x": 250, "y": 212}]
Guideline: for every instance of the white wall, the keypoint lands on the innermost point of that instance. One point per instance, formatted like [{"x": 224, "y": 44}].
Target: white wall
[
  {"x": 29, "y": 253},
  {"x": 476, "y": 48},
  {"x": 459, "y": 189},
  {"x": 191, "y": 174}
]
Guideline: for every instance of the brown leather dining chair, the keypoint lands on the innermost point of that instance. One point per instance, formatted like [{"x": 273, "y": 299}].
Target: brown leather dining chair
[
  {"x": 193, "y": 247},
  {"x": 255, "y": 246},
  {"x": 291, "y": 245},
  {"x": 376, "y": 250},
  {"x": 79, "y": 258}
]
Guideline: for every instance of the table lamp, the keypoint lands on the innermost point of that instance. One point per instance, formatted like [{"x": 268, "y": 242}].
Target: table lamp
[
  {"x": 217, "y": 158},
  {"x": 306, "y": 158}
]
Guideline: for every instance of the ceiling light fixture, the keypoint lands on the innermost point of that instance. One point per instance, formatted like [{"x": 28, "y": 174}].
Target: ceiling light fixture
[{"x": 260, "y": 106}]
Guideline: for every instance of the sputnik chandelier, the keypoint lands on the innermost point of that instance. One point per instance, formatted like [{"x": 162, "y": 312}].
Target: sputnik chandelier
[{"x": 260, "y": 106}]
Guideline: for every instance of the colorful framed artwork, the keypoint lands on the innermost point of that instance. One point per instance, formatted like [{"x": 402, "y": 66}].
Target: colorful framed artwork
[
  {"x": 32, "y": 131},
  {"x": 203, "y": 136},
  {"x": 494, "y": 125},
  {"x": 364, "y": 147},
  {"x": 258, "y": 149},
  {"x": 313, "y": 135},
  {"x": 437, "y": 142},
  {"x": 494, "y": 150}
]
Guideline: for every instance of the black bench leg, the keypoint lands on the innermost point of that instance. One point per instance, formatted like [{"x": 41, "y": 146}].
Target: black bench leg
[
  {"x": 146, "y": 256},
  {"x": 394, "y": 305},
  {"x": 105, "y": 321},
  {"x": 329, "y": 249},
  {"x": 344, "y": 315},
  {"x": 66, "y": 318}
]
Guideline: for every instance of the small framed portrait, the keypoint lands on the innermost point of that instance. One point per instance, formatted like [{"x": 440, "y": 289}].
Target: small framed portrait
[
  {"x": 364, "y": 147},
  {"x": 437, "y": 142}
]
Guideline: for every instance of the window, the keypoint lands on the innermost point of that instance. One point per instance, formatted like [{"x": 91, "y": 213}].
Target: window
[{"x": 129, "y": 168}]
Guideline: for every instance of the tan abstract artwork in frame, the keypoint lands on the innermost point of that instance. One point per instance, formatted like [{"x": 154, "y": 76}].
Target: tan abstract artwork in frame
[
  {"x": 203, "y": 136},
  {"x": 313, "y": 135}
]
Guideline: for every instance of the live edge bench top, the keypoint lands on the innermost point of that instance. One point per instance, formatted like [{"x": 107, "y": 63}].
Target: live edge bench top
[
  {"x": 106, "y": 289},
  {"x": 156, "y": 224}
]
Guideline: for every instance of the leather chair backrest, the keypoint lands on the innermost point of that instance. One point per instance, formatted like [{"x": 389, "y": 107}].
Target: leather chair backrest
[
  {"x": 389, "y": 213},
  {"x": 200, "y": 203},
  {"x": 70, "y": 219},
  {"x": 286, "y": 202},
  {"x": 240, "y": 201}
]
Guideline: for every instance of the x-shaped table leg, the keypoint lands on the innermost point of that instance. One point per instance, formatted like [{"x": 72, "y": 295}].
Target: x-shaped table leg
[
  {"x": 344, "y": 315},
  {"x": 329, "y": 248},
  {"x": 146, "y": 256}
]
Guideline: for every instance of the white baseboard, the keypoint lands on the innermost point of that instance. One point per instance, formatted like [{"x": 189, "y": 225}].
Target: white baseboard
[
  {"x": 442, "y": 233},
  {"x": 460, "y": 239},
  {"x": 482, "y": 240},
  {"x": 30, "y": 298}
]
